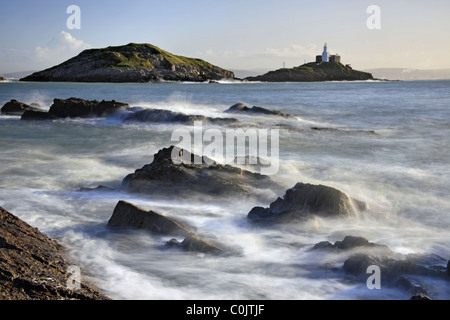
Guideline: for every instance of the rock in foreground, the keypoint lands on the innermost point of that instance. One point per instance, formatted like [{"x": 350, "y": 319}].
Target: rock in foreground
[
  {"x": 33, "y": 266},
  {"x": 176, "y": 171},
  {"x": 306, "y": 199},
  {"x": 131, "y": 63},
  {"x": 128, "y": 215}
]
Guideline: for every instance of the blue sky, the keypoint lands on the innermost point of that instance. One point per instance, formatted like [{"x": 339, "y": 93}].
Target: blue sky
[{"x": 245, "y": 34}]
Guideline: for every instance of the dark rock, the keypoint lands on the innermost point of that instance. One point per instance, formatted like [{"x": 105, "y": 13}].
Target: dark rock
[
  {"x": 37, "y": 115},
  {"x": 448, "y": 268},
  {"x": 193, "y": 243},
  {"x": 349, "y": 243},
  {"x": 76, "y": 107},
  {"x": 2, "y": 79},
  {"x": 17, "y": 108},
  {"x": 128, "y": 215},
  {"x": 98, "y": 188},
  {"x": 177, "y": 171},
  {"x": 242, "y": 108},
  {"x": 393, "y": 267},
  {"x": 167, "y": 116},
  {"x": 420, "y": 296},
  {"x": 412, "y": 286},
  {"x": 305, "y": 199},
  {"x": 35, "y": 267}
]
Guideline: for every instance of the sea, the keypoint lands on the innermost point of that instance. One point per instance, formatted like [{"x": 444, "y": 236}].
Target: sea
[{"x": 386, "y": 143}]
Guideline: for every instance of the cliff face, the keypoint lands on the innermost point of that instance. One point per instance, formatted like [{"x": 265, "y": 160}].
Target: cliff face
[
  {"x": 131, "y": 63},
  {"x": 314, "y": 71}
]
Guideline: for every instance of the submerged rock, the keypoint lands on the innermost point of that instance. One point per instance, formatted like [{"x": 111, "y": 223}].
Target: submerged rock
[
  {"x": 242, "y": 108},
  {"x": 176, "y": 171},
  {"x": 167, "y": 116},
  {"x": 193, "y": 243},
  {"x": 37, "y": 115},
  {"x": 351, "y": 242},
  {"x": 128, "y": 215},
  {"x": 306, "y": 199},
  {"x": 394, "y": 266},
  {"x": 16, "y": 108},
  {"x": 35, "y": 267}
]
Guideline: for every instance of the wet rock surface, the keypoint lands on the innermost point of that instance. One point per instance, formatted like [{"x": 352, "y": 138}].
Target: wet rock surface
[
  {"x": 35, "y": 267},
  {"x": 304, "y": 200},
  {"x": 242, "y": 108},
  {"x": 128, "y": 215},
  {"x": 167, "y": 116},
  {"x": 17, "y": 108},
  {"x": 411, "y": 273},
  {"x": 177, "y": 170}
]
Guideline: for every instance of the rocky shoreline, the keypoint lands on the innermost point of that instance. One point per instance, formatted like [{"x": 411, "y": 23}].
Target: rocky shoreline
[{"x": 33, "y": 266}]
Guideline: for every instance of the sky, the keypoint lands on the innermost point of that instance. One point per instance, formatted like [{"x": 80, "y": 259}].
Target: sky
[{"x": 233, "y": 34}]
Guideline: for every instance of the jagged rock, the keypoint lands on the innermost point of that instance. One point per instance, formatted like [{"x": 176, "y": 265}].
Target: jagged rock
[
  {"x": 193, "y": 243},
  {"x": 35, "y": 267},
  {"x": 305, "y": 199},
  {"x": 191, "y": 174},
  {"x": 130, "y": 63},
  {"x": 167, "y": 116},
  {"x": 242, "y": 108},
  {"x": 351, "y": 242},
  {"x": 413, "y": 286},
  {"x": 128, "y": 215},
  {"x": 17, "y": 108},
  {"x": 76, "y": 107},
  {"x": 393, "y": 267}
]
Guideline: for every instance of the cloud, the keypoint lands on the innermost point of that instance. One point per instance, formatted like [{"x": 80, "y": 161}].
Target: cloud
[
  {"x": 62, "y": 47},
  {"x": 269, "y": 58},
  {"x": 293, "y": 51}
]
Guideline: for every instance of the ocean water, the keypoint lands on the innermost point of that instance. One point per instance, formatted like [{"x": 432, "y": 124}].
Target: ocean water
[{"x": 386, "y": 143}]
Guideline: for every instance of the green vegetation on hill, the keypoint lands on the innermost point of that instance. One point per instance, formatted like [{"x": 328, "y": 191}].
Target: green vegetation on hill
[{"x": 133, "y": 62}]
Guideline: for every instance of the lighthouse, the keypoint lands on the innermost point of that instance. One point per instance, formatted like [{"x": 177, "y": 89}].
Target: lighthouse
[{"x": 325, "y": 53}]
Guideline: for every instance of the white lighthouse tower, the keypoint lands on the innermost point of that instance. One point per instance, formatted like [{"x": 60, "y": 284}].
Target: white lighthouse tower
[{"x": 325, "y": 53}]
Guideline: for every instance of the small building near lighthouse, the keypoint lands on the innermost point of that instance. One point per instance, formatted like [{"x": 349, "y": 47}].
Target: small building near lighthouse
[{"x": 326, "y": 57}]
